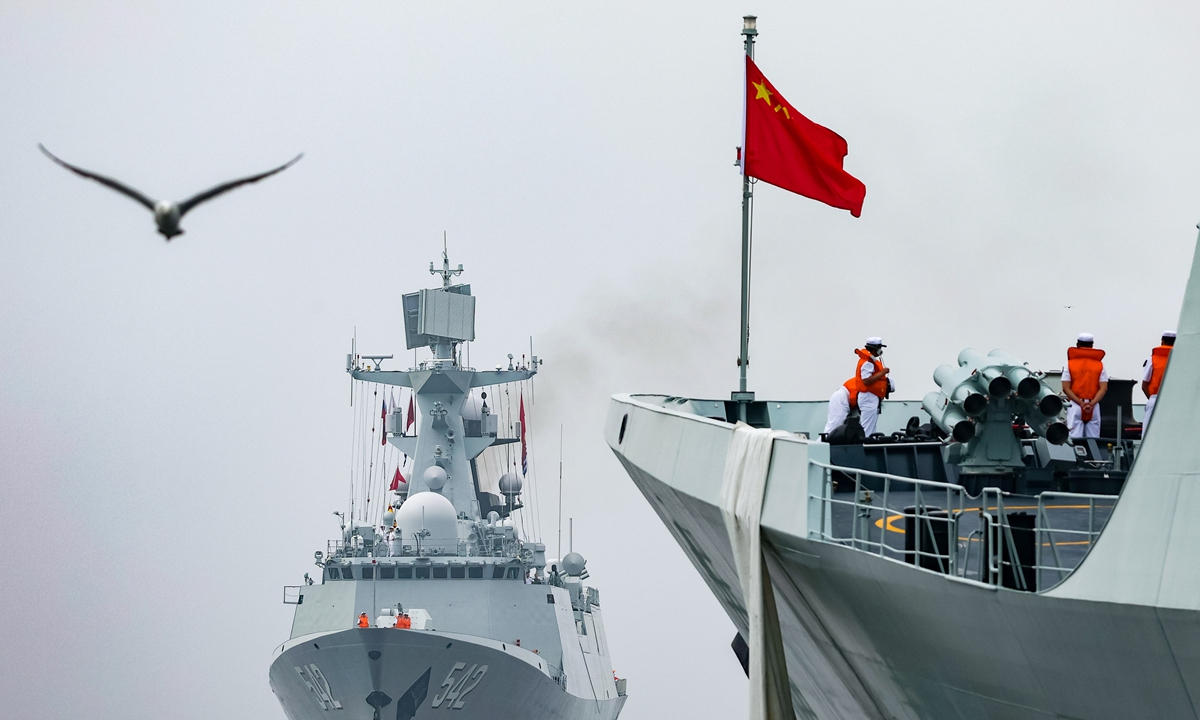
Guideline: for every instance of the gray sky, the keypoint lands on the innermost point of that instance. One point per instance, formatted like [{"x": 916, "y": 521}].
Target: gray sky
[{"x": 174, "y": 425}]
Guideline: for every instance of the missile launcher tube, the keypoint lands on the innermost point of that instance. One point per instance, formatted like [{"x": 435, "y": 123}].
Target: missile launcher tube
[
  {"x": 948, "y": 417},
  {"x": 998, "y": 386},
  {"x": 943, "y": 374},
  {"x": 1054, "y": 430},
  {"x": 1027, "y": 385},
  {"x": 986, "y": 383},
  {"x": 1048, "y": 402},
  {"x": 971, "y": 357}
]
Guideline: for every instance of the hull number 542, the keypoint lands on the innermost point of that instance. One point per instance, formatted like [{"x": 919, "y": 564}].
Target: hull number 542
[
  {"x": 455, "y": 687},
  {"x": 315, "y": 680}
]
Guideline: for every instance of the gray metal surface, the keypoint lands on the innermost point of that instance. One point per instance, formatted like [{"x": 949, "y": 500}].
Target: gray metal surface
[{"x": 874, "y": 637}]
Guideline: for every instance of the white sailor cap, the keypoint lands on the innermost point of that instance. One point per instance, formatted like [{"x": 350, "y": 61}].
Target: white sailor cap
[
  {"x": 875, "y": 341},
  {"x": 1168, "y": 334},
  {"x": 1086, "y": 337}
]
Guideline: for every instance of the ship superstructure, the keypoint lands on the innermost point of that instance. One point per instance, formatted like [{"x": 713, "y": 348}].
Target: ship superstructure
[{"x": 463, "y": 613}]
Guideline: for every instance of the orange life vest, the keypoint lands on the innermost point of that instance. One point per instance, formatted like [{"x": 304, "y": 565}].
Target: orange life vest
[
  {"x": 1158, "y": 358},
  {"x": 1085, "y": 367},
  {"x": 363, "y": 621},
  {"x": 856, "y": 385}
]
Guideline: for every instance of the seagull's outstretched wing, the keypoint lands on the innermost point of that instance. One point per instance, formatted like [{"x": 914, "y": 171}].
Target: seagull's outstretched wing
[
  {"x": 211, "y": 193},
  {"x": 102, "y": 179}
]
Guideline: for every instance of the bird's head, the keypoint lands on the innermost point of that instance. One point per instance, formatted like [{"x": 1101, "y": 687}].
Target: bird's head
[{"x": 166, "y": 216}]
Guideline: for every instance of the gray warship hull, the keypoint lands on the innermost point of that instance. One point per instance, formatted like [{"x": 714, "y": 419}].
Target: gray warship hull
[
  {"x": 868, "y": 636},
  {"x": 391, "y": 674}
]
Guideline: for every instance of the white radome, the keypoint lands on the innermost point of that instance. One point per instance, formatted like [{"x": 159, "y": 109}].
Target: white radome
[
  {"x": 510, "y": 483},
  {"x": 435, "y": 477},
  {"x": 429, "y": 511},
  {"x": 573, "y": 564}
]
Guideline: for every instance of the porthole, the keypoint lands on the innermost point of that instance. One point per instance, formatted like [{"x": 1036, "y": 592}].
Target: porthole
[{"x": 621, "y": 435}]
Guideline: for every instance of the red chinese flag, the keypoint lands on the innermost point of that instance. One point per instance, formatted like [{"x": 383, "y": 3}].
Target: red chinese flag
[
  {"x": 408, "y": 423},
  {"x": 524, "y": 447},
  {"x": 397, "y": 479},
  {"x": 790, "y": 151}
]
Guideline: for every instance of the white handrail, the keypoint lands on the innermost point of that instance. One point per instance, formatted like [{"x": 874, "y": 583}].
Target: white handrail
[{"x": 1002, "y": 549}]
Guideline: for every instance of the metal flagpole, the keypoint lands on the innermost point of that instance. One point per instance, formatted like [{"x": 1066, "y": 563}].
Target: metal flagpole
[
  {"x": 560, "y": 456},
  {"x": 743, "y": 397}
]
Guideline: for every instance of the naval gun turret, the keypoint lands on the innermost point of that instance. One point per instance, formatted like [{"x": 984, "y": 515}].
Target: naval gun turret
[{"x": 978, "y": 404}]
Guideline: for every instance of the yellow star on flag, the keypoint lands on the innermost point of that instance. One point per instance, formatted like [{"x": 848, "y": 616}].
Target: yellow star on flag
[{"x": 762, "y": 92}]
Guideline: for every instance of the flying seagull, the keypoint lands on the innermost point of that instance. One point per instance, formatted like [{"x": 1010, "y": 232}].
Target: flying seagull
[{"x": 167, "y": 214}]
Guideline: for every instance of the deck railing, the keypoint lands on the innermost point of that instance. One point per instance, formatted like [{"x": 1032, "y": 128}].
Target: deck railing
[{"x": 1004, "y": 544}]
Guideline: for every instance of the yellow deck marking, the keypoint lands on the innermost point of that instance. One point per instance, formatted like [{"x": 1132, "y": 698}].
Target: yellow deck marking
[{"x": 893, "y": 518}]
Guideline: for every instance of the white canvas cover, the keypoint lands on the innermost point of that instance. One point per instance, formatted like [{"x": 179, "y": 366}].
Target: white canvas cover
[{"x": 742, "y": 491}]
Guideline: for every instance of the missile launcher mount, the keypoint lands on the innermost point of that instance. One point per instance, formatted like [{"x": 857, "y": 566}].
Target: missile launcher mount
[{"x": 981, "y": 402}]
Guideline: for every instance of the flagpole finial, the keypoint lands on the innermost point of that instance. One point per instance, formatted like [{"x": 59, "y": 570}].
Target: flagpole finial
[{"x": 748, "y": 24}]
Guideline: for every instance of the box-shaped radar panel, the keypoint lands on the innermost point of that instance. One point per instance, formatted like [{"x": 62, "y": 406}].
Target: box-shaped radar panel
[{"x": 435, "y": 314}]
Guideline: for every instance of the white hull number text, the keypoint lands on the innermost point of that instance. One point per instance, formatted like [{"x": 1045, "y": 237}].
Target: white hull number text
[
  {"x": 315, "y": 680},
  {"x": 455, "y": 689}
]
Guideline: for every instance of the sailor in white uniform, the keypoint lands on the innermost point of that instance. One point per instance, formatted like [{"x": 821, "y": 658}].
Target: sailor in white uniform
[
  {"x": 1084, "y": 382},
  {"x": 1152, "y": 374},
  {"x": 870, "y": 382},
  {"x": 395, "y": 542}
]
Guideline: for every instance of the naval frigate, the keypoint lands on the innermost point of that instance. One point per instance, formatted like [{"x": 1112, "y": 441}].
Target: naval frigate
[
  {"x": 967, "y": 561},
  {"x": 435, "y": 603}
]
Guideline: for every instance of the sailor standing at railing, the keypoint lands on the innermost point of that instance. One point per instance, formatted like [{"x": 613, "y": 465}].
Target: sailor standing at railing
[
  {"x": 1084, "y": 382},
  {"x": 1153, "y": 372},
  {"x": 395, "y": 540}
]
